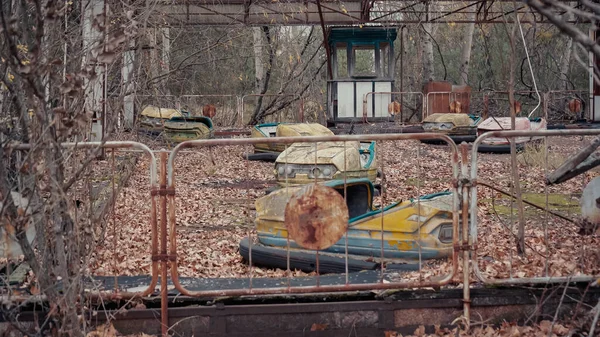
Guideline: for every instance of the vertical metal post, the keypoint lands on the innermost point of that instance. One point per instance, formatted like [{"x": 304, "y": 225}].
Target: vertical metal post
[
  {"x": 242, "y": 108},
  {"x": 464, "y": 152},
  {"x": 127, "y": 79},
  {"x": 302, "y": 110},
  {"x": 325, "y": 42},
  {"x": 401, "y": 72},
  {"x": 93, "y": 87},
  {"x": 164, "y": 300},
  {"x": 104, "y": 79}
]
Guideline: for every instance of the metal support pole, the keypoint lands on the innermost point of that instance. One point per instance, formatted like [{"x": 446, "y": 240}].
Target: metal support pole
[
  {"x": 401, "y": 72},
  {"x": 128, "y": 76},
  {"x": 164, "y": 300},
  {"x": 466, "y": 247}
]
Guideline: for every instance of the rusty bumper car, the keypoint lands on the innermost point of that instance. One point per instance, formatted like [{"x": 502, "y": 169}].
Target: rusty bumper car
[
  {"x": 417, "y": 228},
  {"x": 304, "y": 163},
  {"x": 269, "y": 151},
  {"x": 459, "y": 127},
  {"x": 502, "y": 145},
  {"x": 180, "y": 129},
  {"x": 174, "y": 124}
]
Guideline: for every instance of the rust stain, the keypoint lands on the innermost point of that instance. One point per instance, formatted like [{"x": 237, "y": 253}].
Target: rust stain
[{"x": 316, "y": 217}]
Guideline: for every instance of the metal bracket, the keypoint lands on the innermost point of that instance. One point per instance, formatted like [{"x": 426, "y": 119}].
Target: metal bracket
[
  {"x": 164, "y": 257},
  {"x": 462, "y": 181},
  {"x": 465, "y": 247},
  {"x": 162, "y": 191},
  {"x": 465, "y": 182}
]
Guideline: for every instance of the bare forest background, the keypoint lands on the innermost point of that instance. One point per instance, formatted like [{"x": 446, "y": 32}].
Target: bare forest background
[{"x": 291, "y": 62}]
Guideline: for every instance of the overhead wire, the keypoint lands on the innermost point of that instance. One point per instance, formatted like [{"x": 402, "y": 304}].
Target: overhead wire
[{"x": 530, "y": 67}]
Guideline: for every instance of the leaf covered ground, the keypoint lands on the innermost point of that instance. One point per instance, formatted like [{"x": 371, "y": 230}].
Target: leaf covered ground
[{"x": 216, "y": 189}]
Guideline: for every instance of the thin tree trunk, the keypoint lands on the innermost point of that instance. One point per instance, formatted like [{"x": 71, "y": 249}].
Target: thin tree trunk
[
  {"x": 153, "y": 64},
  {"x": 427, "y": 46},
  {"x": 565, "y": 64},
  {"x": 165, "y": 58},
  {"x": 264, "y": 83},
  {"x": 259, "y": 69},
  {"x": 513, "y": 147},
  {"x": 465, "y": 61},
  {"x": 565, "y": 61},
  {"x": 91, "y": 40},
  {"x": 128, "y": 88}
]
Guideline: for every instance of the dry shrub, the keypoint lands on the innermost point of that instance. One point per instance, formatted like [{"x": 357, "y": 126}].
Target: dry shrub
[{"x": 536, "y": 155}]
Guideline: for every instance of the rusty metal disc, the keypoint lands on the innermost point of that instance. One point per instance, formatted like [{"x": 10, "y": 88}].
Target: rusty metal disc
[{"x": 316, "y": 217}]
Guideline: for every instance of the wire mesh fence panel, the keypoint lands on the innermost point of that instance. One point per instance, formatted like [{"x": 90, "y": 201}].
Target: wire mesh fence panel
[
  {"x": 397, "y": 106},
  {"x": 527, "y": 103},
  {"x": 524, "y": 229},
  {"x": 417, "y": 177},
  {"x": 214, "y": 203},
  {"x": 222, "y": 109},
  {"x": 159, "y": 101},
  {"x": 115, "y": 226},
  {"x": 479, "y": 104},
  {"x": 567, "y": 106},
  {"x": 274, "y": 108},
  {"x": 448, "y": 102},
  {"x": 329, "y": 206},
  {"x": 128, "y": 241}
]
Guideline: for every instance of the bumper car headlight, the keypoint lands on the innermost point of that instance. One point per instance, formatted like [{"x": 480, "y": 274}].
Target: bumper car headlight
[
  {"x": 437, "y": 126},
  {"x": 322, "y": 171},
  {"x": 285, "y": 171}
]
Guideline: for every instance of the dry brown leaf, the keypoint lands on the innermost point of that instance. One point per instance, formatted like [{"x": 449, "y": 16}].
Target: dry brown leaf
[
  {"x": 103, "y": 330},
  {"x": 213, "y": 215}
]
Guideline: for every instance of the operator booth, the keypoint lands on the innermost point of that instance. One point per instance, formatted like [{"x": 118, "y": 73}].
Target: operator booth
[{"x": 362, "y": 61}]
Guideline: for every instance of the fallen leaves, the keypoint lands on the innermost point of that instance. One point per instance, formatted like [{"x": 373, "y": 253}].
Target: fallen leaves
[
  {"x": 108, "y": 330},
  {"x": 506, "y": 329},
  {"x": 103, "y": 330},
  {"x": 215, "y": 210}
]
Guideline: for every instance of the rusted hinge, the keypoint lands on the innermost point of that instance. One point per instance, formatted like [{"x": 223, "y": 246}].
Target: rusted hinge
[
  {"x": 464, "y": 181},
  {"x": 164, "y": 257},
  {"x": 162, "y": 191}
]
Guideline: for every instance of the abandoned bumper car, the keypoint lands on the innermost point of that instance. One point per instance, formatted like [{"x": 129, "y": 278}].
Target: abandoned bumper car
[
  {"x": 459, "y": 127},
  {"x": 270, "y": 152},
  {"x": 303, "y": 163},
  {"x": 175, "y": 125},
  {"x": 411, "y": 229},
  {"x": 502, "y": 145}
]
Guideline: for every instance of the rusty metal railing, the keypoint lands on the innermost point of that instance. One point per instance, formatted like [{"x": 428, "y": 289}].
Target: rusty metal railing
[
  {"x": 445, "y": 102},
  {"x": 299, "y": 117},
  {"x": 567, "y": 105},
  {"x": 169, "y": 196},
  {"x": 110, "y": 215},
  {"x": 396, "y": 102},
  {"x": 526, "y": 274},
  {"x": 527, "y": 103},
  {"x": 227, "y": 106}
]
